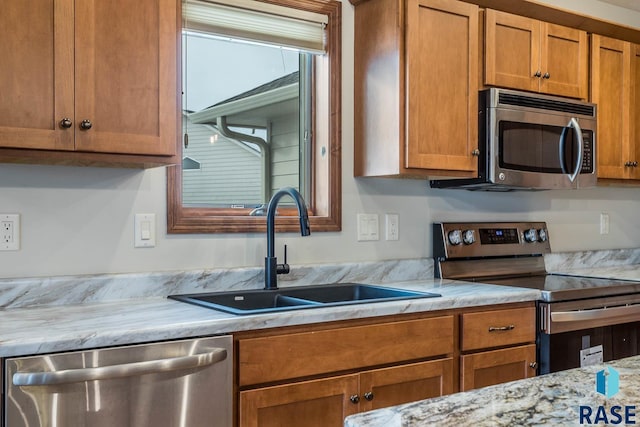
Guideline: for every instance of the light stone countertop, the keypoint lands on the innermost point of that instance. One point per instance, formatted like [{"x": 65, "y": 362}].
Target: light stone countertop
[
  {"x": 621, "y": 272},
  {"x": 38, "y": 330},
  {"x": 548, "y": 400}
]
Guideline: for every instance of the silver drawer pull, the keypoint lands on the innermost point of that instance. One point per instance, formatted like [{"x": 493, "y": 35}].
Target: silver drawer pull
[
  {"x": 501, "y": 328},
  {"x": 119, "y": 371}
]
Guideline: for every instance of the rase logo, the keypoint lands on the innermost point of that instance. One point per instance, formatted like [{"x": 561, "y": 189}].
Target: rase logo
[{"x": 608, "y": 384}]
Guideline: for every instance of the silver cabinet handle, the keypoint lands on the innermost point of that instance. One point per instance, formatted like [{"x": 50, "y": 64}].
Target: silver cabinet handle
[
  {"x": 501, "y": 328},
  {"x": 119, "y": 371}
]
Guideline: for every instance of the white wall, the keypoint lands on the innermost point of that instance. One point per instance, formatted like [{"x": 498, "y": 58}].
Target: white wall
[{"x": 80, "y": 220}]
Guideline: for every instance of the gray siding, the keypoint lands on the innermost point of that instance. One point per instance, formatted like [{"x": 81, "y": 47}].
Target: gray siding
[
  {"x": 285, "y": 152},
  {"x": 230, "y": 172}
]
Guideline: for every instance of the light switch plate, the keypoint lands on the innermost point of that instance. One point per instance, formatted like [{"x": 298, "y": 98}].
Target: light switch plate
[
  {"x": 145, "y": 231},
  {"x": 368, "y": 227}
]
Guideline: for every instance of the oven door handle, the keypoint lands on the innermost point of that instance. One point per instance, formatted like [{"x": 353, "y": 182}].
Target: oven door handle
[
  {"x": 68, "y": 376},
  {"x": 596, "y": 314},
  {"x": 573, "y": 123}
]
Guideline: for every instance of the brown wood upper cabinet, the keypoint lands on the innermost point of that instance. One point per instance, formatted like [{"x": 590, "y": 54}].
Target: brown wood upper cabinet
[
  {"x": 615, "y": 88},
  {"x": 416, "y": 68},
  {"x": 527, "y": 54},
  {"x": 89, "y": 76}
]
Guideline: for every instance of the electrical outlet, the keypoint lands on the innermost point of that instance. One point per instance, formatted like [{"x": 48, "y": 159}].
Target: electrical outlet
[
  {"x": 604, "y": 223},
  {"x": 392, "y": 231},
  {"x": 9, "y": 232}
]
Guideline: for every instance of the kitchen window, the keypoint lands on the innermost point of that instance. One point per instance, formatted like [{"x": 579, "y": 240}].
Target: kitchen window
[{"x": 260, "y": 111}]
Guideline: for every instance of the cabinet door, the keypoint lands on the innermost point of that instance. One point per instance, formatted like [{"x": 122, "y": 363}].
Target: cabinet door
[
  {"x": 635, "y": 112},
  {"x": 407, "y": 383},
  {"x": 564, "y": 61},
  {"x": 610, "y": 90},
  {"x": 497, "y": 366},
  {"x": 126, "y": 62},
  {"x": 317, "y": 403},
  {"x": 512, "y": 51},
  {"x": 36, "y": 75},
  {"x": 442, "y": 85}
]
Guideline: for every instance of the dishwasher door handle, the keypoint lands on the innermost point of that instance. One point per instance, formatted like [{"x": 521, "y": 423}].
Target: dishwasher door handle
[{"x": 119, "y": 371}]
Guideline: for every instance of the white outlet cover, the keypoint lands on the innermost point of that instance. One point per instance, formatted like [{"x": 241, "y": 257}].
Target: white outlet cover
[
  {"x": 391, "y": 226},
  {"x": 14, "y": 244}
]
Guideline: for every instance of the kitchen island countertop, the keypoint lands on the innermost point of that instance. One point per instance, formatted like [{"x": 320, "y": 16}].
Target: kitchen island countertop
[{"x": 553, "y": 399}]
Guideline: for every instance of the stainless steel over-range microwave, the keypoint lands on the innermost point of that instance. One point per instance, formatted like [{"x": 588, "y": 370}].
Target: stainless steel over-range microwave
[{"x": 529, "y": 141}]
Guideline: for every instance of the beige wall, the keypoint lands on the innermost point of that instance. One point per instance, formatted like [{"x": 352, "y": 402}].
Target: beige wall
[{"x": 80, "y": 220}]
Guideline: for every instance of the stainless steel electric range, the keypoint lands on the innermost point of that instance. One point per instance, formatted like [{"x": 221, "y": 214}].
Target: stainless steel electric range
[{"x": 580, "y": 319}]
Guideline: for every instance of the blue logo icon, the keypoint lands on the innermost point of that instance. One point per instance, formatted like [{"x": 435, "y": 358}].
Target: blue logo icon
[{"x": 608, "y": 382}]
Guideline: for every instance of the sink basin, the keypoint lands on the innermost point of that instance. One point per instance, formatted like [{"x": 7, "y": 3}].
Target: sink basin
[{"x": 267, "y": 301}]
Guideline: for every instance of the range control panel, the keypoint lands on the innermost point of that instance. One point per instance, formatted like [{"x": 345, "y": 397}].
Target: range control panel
[{"x": 489, "y": 239}]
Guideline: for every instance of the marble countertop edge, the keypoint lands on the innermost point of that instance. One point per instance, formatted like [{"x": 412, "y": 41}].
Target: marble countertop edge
[{"x": 33, "y": 330}]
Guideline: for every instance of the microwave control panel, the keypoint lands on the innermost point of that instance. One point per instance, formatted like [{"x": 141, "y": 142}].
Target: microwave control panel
[{"x": 587, "y": 157}]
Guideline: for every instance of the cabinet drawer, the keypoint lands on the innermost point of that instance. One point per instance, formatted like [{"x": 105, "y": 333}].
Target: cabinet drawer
[
  {"x": 287, "y": 356},
  {"x": 498, "y": 328}
]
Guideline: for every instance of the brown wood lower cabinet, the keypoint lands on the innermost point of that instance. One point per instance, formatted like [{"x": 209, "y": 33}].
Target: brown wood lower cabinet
[
  {"x": 497, "y": 366},
  {"x": 326, "y": 402},
  {"x": 408, "y": 383},
  {"x": 317, "y": 403},
  {"x": 316, "y": 375}
]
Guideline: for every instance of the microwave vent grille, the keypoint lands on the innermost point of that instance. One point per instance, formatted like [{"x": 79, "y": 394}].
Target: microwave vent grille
[{"x": 546, "y": 104}]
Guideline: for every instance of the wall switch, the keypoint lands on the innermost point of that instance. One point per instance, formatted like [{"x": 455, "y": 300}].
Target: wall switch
[
  {"x": 9, "y": 232},
  {"x": 145, "y": 231},
  {"x": 391, "y": 226},
  {"x": 368, "y": 227},
  {"x": 604, "y": 223}
]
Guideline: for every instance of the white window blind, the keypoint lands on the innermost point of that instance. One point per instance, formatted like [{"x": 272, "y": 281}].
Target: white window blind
[{"x": 256, "y": 21}]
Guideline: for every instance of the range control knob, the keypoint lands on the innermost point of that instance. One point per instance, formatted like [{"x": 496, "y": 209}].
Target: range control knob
[
  {"x": 455, "y": 237},
  {"x": 468, "y": 237},
  {"x": 542, "y": 235},
  {"x": 531, "y": 235}
]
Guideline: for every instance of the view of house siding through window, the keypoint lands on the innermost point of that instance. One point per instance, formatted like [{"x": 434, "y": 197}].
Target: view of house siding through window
[{"x": 245, "y": 119}]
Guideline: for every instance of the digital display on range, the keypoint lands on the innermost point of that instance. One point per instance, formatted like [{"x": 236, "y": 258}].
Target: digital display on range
[{"x": 496, "y": 236}]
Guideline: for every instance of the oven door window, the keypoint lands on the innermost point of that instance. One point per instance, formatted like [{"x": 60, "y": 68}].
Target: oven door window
[{"x": 536, "y": 148}]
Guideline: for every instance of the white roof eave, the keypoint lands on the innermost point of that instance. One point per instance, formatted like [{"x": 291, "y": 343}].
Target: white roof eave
[{"x": 274, "y": 96}]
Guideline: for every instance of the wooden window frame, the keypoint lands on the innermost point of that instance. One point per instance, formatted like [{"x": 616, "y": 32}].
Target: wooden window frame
[{"x": 325, "y": 201}]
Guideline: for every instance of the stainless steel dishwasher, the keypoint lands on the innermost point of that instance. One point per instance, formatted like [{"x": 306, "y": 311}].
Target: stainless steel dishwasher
[{"x": 172, "y": 384}]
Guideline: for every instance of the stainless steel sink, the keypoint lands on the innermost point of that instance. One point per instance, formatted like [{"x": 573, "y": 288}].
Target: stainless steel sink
[{"x": 267, "y": 301}]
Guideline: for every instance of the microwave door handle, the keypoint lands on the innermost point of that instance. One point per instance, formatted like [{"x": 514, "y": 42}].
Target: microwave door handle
[
  {"x": 561, "y": 155},
  {"x": 574, "y": 124}
]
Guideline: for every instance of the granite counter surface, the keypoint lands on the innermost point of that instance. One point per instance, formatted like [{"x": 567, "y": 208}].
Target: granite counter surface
[
  {"x": 548, "y": 400},
  {"x": 37, "y": 330}
]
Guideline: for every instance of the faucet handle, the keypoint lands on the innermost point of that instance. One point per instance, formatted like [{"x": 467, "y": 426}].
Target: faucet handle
[{"x": 283, "y": 268}]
